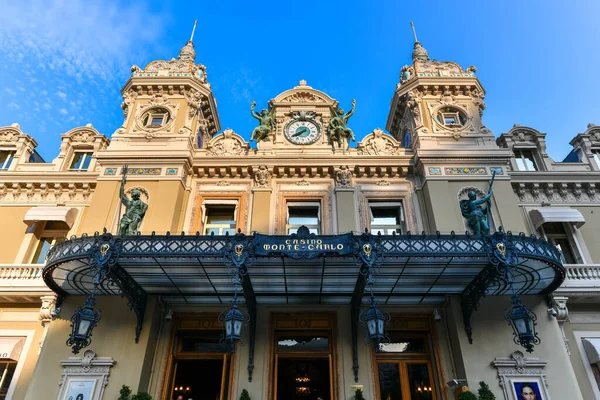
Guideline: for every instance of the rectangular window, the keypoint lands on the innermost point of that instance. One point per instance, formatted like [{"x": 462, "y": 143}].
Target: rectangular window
[
  {"x": 557, "y": 234},
  {"x": 386, "y": 217},
  {"x": 6, "y": 158},
  {"x": 303, "y": 214},
  {"x": 451, "y": 119},
  {"x": 81, "y": 161},
  {"x": 7, "y": 371},
  {"x": 525, "y": 160},
  {"x": 219, "y": 219},
  {"x": 596, "y": 153},
  {"x": 45, "y": 243}
]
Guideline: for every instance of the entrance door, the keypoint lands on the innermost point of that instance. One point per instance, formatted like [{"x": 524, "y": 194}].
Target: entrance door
[
  {"x": 405, "y": 380},
  {"x": 201, "y": 363},
  {"x": 304, "y": 357},
  {"x": 404, "y": 370},
  {"x": 306, "y": 379}
]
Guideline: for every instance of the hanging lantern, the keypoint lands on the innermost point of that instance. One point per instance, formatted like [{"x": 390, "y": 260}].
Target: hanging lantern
[
  {"x": 234, "y": 319},
  {"x": 522, "y": 320},
  {"x": 83, "y": 322},
  {"x": 376, "y": 321}
]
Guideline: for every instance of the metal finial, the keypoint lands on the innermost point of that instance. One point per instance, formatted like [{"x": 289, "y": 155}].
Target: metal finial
[
  {"x": 412, "y": 25},
  {"x": 193, "y": 30}
]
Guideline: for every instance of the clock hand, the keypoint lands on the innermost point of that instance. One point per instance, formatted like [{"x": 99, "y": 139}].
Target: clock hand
[{"x": 300, "y": 132}]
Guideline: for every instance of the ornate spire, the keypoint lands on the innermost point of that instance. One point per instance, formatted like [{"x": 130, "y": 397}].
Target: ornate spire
[
  {"x": 419, "y": 53},
  {"x": 187, "y": 52}
]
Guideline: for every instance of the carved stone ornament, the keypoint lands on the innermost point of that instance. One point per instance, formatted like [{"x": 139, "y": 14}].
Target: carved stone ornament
[
  {"x": 516, "y": 370},
  {"x": 228, "y": 143},
  {"x": 378, "y": 143},
  {"x": 262, "y": 177},
  {"x": 9, "y": 135},
  {"x": 128, "y": 100},
  {"x": 343, "y": 176},
  {"x": 157, "y": 101},
  {"x": 78, "y": 371},
  {"x": 303, "y": 97}
]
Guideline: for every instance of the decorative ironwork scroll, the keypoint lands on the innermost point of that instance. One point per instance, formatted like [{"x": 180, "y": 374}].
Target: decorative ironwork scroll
[
  {"x": 368, "y": 256},
  {"x": 238, "y": 255}
]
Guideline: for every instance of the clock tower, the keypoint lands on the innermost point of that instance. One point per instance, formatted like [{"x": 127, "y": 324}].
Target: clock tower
[{"x": 302, "y": 117}]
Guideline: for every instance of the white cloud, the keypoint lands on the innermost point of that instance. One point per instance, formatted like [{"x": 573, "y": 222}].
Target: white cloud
[
  {"x": 13, "y": 106},
  {"x": 10, "y": 91},
  {"x": 62, "y": 95},
  {"x": 95, "y": 38},
  {"x": 63, "y": 111},
  {"x": 47, "y": 106}
]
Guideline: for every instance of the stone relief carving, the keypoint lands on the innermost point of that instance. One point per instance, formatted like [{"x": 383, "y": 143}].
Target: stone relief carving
[
  {"x": 262, "y": 177},
  {"x": 9, "y": 135},
  {"x": 228, "y": 143},
  {"x": 87, "y": 367},
  {"x": 378, "y": 143},
  {"x": 44, "y": 193},
  {"x": 303, "y": 97},
  {"x": 440, "y": 68},
  {"x": 128, "y": 100},
  {"x": 343, "y": 176},
  {"x": 303, "y": 182}
]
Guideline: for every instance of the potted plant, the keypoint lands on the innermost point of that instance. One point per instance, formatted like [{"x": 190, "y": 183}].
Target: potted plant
[
  {"x": 484, "y": 392},
  {"x": 468, "y": 395},
  {"x": 244, "y": 395},
  {"x": 124, "y": 393},
  {"x": 358, "y": 395}
]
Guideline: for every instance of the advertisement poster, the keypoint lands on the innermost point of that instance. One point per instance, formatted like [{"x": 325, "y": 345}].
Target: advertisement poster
[{"x": 80, "y": 390}]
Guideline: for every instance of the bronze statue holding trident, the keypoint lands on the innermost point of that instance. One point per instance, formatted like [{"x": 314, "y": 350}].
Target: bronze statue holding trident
[
  {"x": 135, "y": 209},
  {"x": 478, "y": 218},
  {"x": 266, "y": 123},
  {"x": 337, "y": 124}
]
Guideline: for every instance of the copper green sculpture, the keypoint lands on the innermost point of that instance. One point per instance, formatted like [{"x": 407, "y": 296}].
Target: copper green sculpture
[
  {"x": 135, "y": 209},
  {"x": 337, "y": 126},
  {"x": 266, "y": 123},
  {"x": 477, "y": 216}
]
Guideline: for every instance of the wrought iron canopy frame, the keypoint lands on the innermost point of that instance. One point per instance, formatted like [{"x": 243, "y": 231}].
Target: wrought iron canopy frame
[{"x": 413, "y": 269}]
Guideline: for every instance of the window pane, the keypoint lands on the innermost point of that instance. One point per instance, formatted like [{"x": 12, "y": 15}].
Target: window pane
[
  {"x": 520, "y": 164},
  {"x": 303, "y": 216},
  {"x": 565, "y": 248},
  {"x": 41, "y": 251},
  {"x": 77, "y": 159},
  {"x": 204, "y": 342},
  {"x": 389, "y": 382},
  {"x": 303, "y": 343},
  {"x": 597, "y": 158},
  {"x": 419, "y": 383},
  {"x": 220, "y": 215},
  {"x": 6, "y": 158},
  {"x": 86, "y": 161},
  {"x": 157, "y": 120},
  {"x": 386, "y": 215},
  {"x": 554, "y": 228},
  {"x": 400, "y": 344},
  {"x": 450, "y": 120}
]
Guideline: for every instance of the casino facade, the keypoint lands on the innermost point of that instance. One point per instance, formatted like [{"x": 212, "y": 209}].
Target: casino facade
[{"x": 178, "y": 259}]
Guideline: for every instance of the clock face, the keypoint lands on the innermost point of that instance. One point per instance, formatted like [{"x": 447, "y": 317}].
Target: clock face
[{"x": 302, "y": 132}]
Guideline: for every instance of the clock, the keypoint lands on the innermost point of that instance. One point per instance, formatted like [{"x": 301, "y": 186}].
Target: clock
[{"x": 302, "y": 132}]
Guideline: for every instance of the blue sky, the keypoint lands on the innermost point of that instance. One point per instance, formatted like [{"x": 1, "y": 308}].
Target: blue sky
[{"x": 63, "y": 62}]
